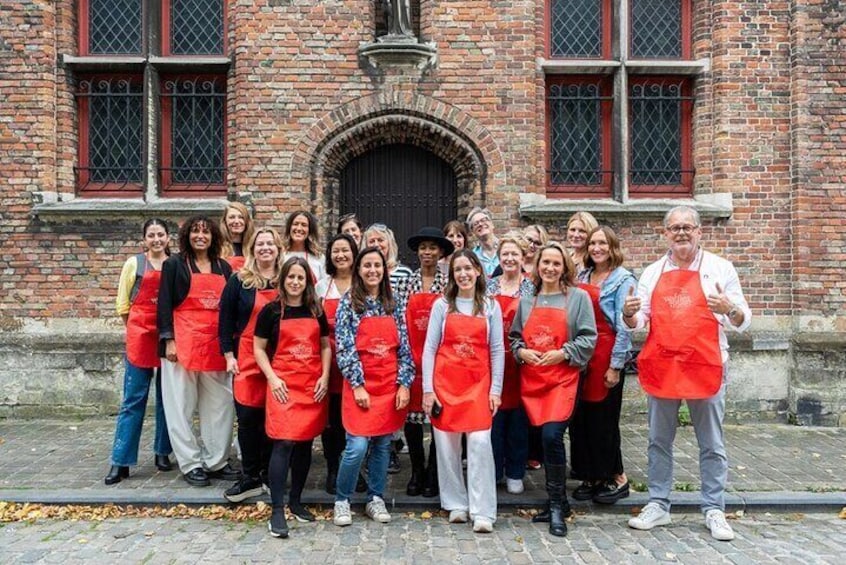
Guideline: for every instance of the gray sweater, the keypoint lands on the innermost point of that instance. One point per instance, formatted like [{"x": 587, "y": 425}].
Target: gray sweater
[{"x": 581, "y": 324}]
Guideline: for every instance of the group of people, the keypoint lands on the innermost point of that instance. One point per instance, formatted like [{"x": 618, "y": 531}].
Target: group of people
[{"x": 501, "y": 347}]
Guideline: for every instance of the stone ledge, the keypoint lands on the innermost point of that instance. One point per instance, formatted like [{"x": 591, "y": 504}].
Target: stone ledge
[
  {"x": 118, "y": 208},
  {"x": 541, "y": 207},
  {"x": 813, "y": 341},
  {"x": 389, "y": 51},
  {"x": 214, "y": 63},
  {"x": 659, "y": 67},
  {"x": 567, "y": 67}
]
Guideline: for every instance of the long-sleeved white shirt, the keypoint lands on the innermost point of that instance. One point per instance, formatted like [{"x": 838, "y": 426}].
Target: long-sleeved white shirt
[{"x": 712, "y": 270}]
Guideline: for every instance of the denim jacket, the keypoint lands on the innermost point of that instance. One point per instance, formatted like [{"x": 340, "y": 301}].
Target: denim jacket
[{"x": 612, "y": 295}]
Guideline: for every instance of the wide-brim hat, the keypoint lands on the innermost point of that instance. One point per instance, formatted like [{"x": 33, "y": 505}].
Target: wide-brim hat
[{"x": 431, "y": 234}]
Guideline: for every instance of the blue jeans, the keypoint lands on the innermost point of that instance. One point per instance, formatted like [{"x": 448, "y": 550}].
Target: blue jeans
[
  {"x": 136, "y": 388},
  {"x": 510, "y": 440},
  {"x": 552, "y": 435},
  {"x": 377, "y": 465}
]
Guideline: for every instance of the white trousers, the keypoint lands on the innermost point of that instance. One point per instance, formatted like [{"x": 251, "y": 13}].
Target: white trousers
[
  {"x": 210, "y": 394},
  {"x": 480, "y": 497}
]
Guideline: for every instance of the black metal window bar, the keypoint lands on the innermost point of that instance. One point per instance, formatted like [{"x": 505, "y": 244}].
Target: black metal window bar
[
  {"x": 114, "y": 27},
  {"x": 576, "y": 28},
  {"x": 196, "y": 27},
  {"x": 656, "y": 29},
  {"x": 115, "y": 131},
  {"x": 576, "y": 116},
  {"x": 655, "y": 122},
  {"x": 197, "y": 130}
]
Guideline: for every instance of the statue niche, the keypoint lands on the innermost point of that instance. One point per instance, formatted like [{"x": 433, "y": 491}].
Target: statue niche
[{"x": 398, "y": 16}]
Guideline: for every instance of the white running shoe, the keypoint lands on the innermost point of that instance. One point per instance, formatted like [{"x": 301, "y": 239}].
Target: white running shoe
[
  {"x": 376, "y": 510},
  {"x": 514, "y": 486},
  {"x": 343, "y": 514},
  {"x": 650, "y": 516},
  {"x": 482, "y": 525},
  {"x": 715, "y": 520},
  {"x": 457, "y": 516}
]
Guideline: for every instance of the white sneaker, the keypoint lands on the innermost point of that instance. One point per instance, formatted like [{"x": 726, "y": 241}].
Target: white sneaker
[
  {"x": 457, "y": 516},
  {"x": 376, "y": 510},
  {"x": 715, "y": 520},
  {"x": 650, "y": 516},
  {"x": 482, "y": 525},
  {"x": 514, "y": 486},
  {"x": 343, "y": 515}
]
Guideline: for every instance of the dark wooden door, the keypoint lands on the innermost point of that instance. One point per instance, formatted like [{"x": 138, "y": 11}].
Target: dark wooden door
[{"x": 402, "y": 186}]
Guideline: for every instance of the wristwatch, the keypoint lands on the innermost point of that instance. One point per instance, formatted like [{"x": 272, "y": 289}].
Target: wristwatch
[{"x": 732, "y": 312}]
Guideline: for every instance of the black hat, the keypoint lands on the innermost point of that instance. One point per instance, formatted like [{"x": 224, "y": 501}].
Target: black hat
[{"x": 431, "y": 234}]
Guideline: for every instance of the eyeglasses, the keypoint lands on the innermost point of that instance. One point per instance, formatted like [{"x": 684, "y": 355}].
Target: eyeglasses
[
  {"x": 380, "y": 227},
  {"x": 480, "y": 223},
  {"x": 346, "y": 218},
  {"x": 533, "y": 242},
  {"x": 676, "y": 229}
]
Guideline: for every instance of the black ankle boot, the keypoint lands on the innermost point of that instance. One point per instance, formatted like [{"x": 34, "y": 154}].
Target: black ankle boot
[
  {"x": 116, "y": 474},
  {"x": 542, "y": 517},
  {"x": 555, "y": 481},
  {"x": 415, "y": 483}
]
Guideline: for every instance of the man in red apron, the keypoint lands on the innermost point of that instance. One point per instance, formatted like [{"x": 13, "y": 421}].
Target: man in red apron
[{"x": 687, "y": 298}]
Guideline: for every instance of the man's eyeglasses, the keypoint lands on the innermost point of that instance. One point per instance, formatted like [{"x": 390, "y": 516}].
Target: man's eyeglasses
[{"x": 676, "y": 229}]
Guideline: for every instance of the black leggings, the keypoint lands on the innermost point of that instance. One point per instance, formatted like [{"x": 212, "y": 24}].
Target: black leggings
[
  {"x": 334, "y": 438},
  {"x": 295, "y": 455}
]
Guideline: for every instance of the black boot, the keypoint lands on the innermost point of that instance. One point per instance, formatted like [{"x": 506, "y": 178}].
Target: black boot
[
  {"x": 542, "y": 517},
  {"x": 415, "y": 483},
  {"x": 555, "y": 481},
  {"x": 414, "y": 435},
  {"x": 430, "y": 482},
  {"x": 116, "y": 474},
  {"x": 331, "y": 481}
]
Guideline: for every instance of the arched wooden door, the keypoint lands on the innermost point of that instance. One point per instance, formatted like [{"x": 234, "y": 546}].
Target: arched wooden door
[{"x": 402, "y": 186}]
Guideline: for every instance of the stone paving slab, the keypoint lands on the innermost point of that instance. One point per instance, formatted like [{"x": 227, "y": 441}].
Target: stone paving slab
[
  {"x": 764, "y": 538},
  {"x": 66, "y": 460}
]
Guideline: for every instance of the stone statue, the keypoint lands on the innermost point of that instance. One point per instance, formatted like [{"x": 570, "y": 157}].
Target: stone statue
[{"x": 399, "y": 17}]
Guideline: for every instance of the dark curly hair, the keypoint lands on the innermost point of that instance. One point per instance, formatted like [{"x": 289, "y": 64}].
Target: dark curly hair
[{"x": 184, "y": 237}]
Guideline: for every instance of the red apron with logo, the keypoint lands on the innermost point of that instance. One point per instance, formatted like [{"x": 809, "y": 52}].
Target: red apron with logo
[
  {"x": 511, "y": 374},
  {"x": 297, "y": 362},
  {"x": 549, "y": 392},
  {"x": 377, "y": 342},
  {"x": 417, "y": 319},
  {"x": 336, "y": 379},
  {"x": 142, "y": 335},
  {"x": 681, "y": 358},
  {"x": 594, "y": 389},
  {"x": 236, "y": 262},
  {"x": 462, "y": 375},
  {"x": 250, "y": 385},
  {"x": 195, "y": 324}
]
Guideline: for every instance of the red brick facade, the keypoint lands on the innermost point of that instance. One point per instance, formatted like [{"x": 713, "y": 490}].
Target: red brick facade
[{"x": 769, "y": 129}]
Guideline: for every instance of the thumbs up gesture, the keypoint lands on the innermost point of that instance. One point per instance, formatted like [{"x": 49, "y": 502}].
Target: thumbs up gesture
[
  {"x": 631, "y": 306},
  {"x": 718, "y": 302}
]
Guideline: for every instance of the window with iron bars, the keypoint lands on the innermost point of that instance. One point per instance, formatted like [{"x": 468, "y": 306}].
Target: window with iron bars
[
  {"x": 188, "y": 121},
  {"x": 620, "y": 130}
]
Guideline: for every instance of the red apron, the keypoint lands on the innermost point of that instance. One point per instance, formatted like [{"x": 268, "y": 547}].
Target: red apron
[
  {"x": 297, "y": 362},
  {"x": 336, "y": 379},
  {"x": 377, "y": 342},
  {"x": 250, "y": 384},
  {"x": 462, "y": 376},
  {"x": 142, "y": 335},
  {"x": 594, "y": 389},
  {"x": 195, "y": 324},
  {"x": 511, "y": 374},
  {"x": 236, "y": 262},
  {"x": 549, "y": 393},
  {"x": 417, "y": 319},
  {"x": 681, "y": 357}
]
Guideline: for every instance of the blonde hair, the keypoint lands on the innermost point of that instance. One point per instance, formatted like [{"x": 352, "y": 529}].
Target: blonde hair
[
  {"x": 227, "y": 250},
  {"x": 542, "y": 233},
  {"x": 586, "y": 218},
  {"x": 393, "y": 251},
  {"x": 249, "y": 273},
  {"x": 513, "y": 237}
]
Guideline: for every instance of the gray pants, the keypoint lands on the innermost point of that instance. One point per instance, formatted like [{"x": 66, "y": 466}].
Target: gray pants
[
  {"x": 479, "y": 495},
  {"x": 210, "y": 394},
  {"x": 707, "y": 418}
]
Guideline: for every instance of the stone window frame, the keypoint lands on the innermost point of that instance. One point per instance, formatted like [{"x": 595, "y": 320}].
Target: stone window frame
[
  {"x": 623, "y": 70},
  {"x": 152, "y": 64}
]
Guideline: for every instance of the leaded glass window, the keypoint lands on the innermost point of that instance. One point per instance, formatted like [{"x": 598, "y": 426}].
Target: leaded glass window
[
  {"x": 575, "y": 28},
  {"x": 656, "y": 29},
  {"x": 196, "y": 27},
  {"x": 114, "y": 27}
]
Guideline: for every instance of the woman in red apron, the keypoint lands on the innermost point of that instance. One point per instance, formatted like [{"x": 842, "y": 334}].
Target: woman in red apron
[
  {"x": 340, "y": 255},
  {"x": 418, "y": 292},
  {"x": 246, "y": 293},
  {"x": 553, "y": 337},
  {"x": 462, "y": 383},
  {"x": 291, "y": 348},
  {"x": 375, "y": 360},
  {"x": 236, "y": 226},
  {"x": 510, "y": 431},
  {"x": 301, "y": 238},
  {"x": 595, "y": 453},
  {"x": 136, "y": 305},
  {"x": 194, "y": 376}
]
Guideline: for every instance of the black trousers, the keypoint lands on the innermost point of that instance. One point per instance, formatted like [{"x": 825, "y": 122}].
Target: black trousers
[
  {"x": 255, "y": 445},
  {"x": 595, "y": 453}
]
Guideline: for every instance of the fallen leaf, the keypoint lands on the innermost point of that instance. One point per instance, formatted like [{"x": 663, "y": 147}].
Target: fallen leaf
[
  {"x": 426, "y": 515},
  {"x": 842, "y": 513}
]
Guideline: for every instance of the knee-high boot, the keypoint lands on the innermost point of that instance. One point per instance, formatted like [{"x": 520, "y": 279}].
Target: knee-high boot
[
  {"x": 430, "y": 483},
  {"x": 555, "y": 490}
]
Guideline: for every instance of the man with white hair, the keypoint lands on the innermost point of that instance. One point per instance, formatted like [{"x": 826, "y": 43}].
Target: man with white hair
[{"x": 688, "y": 298}]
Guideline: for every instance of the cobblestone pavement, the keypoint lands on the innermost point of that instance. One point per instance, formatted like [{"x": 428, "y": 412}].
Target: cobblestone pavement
[
  {"x": 71, "y": 457},
  {"x": 593, "y": 538}
]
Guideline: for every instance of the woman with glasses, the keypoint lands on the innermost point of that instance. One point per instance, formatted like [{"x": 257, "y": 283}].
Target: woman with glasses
[
  {"x": 510, "y": 431},
  {"x": 350, "y": 225},
  {"x": 236, "y": 226},
  {"x": 480, "y": 222},
  {"x": 553, "y": 337},
  {"x": 579, "y": 226},
  {"x": 375, "y": 360},
  {"x": 536, "y": 237},
  {"x": 596, "y": 458},
  {"x": 302, "y": 239}
]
